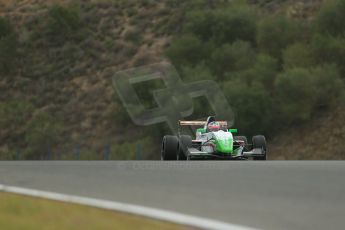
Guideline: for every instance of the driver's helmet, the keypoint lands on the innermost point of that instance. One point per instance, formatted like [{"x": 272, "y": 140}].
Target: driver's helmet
[{"x": 213, "y": 126}]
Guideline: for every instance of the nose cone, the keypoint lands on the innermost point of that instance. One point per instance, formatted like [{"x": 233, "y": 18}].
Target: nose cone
[
  {"x": 224, "y": 142},
  {"x": 225, "y": 146}
]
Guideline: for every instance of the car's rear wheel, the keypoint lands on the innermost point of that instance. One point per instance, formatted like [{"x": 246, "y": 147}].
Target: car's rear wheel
[
  {"x": 259, "y": 141},
  {"x": 169, "y": 148},
  {"x": 184, "y": 144}
]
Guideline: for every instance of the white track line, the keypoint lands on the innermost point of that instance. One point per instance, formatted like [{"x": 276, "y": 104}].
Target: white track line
[{"x": 153, "y": 213}]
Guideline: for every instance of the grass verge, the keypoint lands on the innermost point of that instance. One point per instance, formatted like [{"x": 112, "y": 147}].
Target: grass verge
[{"x": 22, "y": 212}]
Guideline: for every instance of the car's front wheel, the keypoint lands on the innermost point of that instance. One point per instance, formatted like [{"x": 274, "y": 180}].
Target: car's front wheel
[
  {"x": 169, "y": 148},
  {"x": 259, "y": 141}
]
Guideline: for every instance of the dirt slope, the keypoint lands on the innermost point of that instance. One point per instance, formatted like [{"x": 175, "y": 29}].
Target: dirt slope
[{"x": 322, "y": 138}]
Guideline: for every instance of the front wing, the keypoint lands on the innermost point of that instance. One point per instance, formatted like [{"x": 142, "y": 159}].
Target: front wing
[{"x": 196, "y": 154}]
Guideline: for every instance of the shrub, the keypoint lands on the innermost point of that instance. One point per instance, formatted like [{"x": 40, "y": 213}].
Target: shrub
[
  {"x": 134, "y": 35},
  {"x": 295, "y": 97},
  {"x": 14, "y": 114},
  {"x": 131, "y": 12},
  {"x": 275, "y": 34},
  {"x": 171, "y": 25},
  {"x": 223, "y": 25},
  {"x": 197, "y": 73},
  {"x": 232, "y": 57},
  {"x": 118, "y": 112},
  {"x": 328, "y": 85},
  {"x": 8, "y": 46},
  {"x": 145, "y": 90},
  {"x": 188, "y": 50},
  {"x": 251, "y": 104},
  {"x": 265, "y": 70},
  {"x": 145, "y": 3},
  {"x": 327, "y": 50},
  {"x": 128, "y": 50},
  {"x": 297, "y": 55},
  {"x": 200, "y": 24},
  {"x": 300, "y": 91},
  {"x": 42, "y": 133},
  {"x": 63, "y": 23},
  {"x": 330, "y": 19},
  {"x": 5, "y": 27},
  {"x": 173, "y": 3}
]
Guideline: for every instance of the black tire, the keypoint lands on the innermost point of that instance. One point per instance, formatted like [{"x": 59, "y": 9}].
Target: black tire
[
  {"x": 169, "y": 148},
  {"x": 259, "y": 141},
  {"x": 184, "y": 144}
]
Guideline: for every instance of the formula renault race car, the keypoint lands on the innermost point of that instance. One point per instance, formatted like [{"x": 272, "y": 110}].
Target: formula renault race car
[{"x": 213, "y": 140}]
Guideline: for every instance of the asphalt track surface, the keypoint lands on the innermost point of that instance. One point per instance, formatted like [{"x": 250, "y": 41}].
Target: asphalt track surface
[{"x": 265, "y": 195}]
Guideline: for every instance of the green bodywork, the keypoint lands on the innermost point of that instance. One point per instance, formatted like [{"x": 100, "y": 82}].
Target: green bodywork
[
  {"x": 225, "y": 145},
  {"x": 201, "y": 130}
]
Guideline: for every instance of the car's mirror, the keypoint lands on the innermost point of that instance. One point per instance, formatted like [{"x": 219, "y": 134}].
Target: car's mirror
[
  {"x": 201, "y": 130},
  {"x": 233, "y": 130}
]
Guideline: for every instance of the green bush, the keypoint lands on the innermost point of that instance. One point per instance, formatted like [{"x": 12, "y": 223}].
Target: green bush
[
  {"x": 5, "y": 28},
  {"x": 300, "y": 91},
  {"x": 329, "y": 50},
  {"x": 295, "y": 97},
  {"x": 232, "y": 57},
  {"x": 14, "y": 114},
  {"x": 330, "y": 19},
  {"x": 171, "y": 25},
  {"x": 252, "y": 106},
  {"x": 223, "y": 25},
  {"x": 265, "y": 71},
  {"x": 197, "y": 73},
  {"x": 297, "y": 55},
  {"x": 43, "y": 132},
  {"x": 63, "y": 23},
  {"x": 134, "y": 35},
  {"x": 275, "y": 34},
  {"x": 8, "y": 46},
  {"x": 328, "y": 85},
  {"x": 200, "y": 24},
  {"x": 188, "y": 50},
  {"x": 173, "y": 3},
  {"x": 144, "y": 91}
]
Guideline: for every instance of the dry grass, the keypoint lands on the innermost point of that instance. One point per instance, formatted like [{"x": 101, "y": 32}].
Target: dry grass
[{"x": 320, "y": 139}]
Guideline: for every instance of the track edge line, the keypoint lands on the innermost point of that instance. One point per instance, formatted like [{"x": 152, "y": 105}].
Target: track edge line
[{"x": 153, "y": 213}]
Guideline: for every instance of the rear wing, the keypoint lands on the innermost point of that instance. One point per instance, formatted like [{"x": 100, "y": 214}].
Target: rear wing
[{"x": 223, "y": 124}]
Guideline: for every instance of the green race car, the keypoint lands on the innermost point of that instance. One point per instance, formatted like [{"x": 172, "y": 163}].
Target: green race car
[{"x": 213, "y": 140}]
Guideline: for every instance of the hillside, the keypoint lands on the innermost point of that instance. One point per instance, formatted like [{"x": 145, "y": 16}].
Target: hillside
[
  {"x": 56, "y": 98},
  {"x": 321, "y": 138},
  {"x": 64, "y": 78}
]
